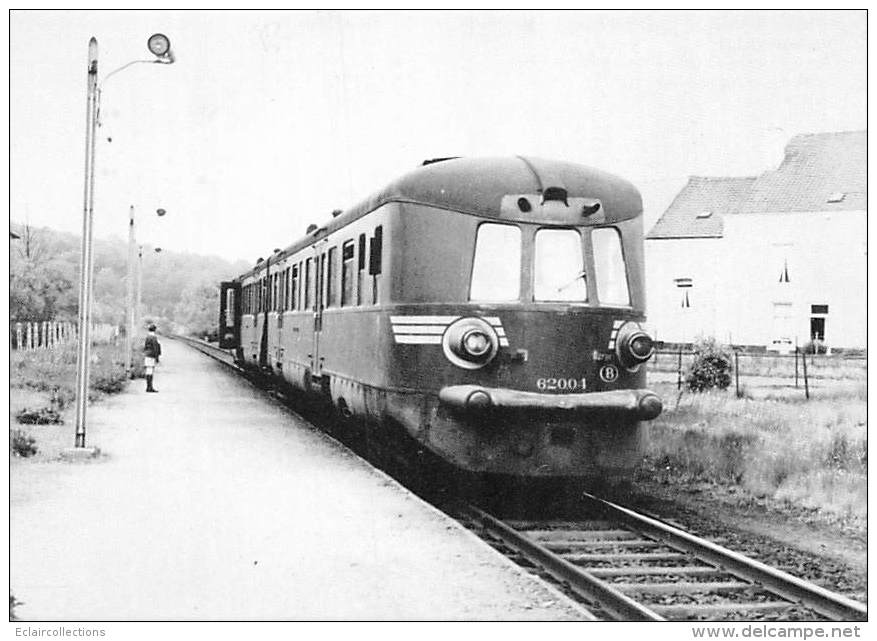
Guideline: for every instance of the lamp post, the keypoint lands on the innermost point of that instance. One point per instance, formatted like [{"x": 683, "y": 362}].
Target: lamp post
[
  {"x": 157, "y": 250},
  {"x": 159, "y": 46},
  {"x": 132, "y": 311}
]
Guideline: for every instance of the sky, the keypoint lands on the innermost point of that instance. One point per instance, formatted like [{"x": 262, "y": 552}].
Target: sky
[{"x": 268, "y": 121}]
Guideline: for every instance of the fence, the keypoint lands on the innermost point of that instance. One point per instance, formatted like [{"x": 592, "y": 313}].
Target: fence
[
  {"x": 51, "y": 334},
  {"x": 761, "y": 373}
]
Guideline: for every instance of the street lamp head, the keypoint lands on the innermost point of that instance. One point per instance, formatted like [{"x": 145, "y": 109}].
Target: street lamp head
[
  {"x": 160, "y": 46},
  {"x": 158, "y": 250}
]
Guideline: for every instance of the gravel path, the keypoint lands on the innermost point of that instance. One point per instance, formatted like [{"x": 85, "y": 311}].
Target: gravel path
[{"x": 214, "y": 503}]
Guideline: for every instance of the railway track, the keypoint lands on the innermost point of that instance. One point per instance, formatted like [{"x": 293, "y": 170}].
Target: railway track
[
  {"x": 627, "y": 566},
  {"x": 624, "y": 565},
  {"x": 210, "y": 350}
]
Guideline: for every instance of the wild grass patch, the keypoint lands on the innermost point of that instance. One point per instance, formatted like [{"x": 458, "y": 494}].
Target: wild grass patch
[
  {"x": 54, "y": 371},
  {"x": 812, "y": 453},
  {"x": 42, "y": 391}
]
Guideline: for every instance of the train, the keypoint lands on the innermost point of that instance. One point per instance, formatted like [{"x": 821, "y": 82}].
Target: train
[{"x": 488, "y": 311}]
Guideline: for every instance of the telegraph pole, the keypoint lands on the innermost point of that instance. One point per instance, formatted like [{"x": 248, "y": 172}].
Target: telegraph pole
[
  {"x": 86, "y": 266},
  {"x": 129, "y": 331}
]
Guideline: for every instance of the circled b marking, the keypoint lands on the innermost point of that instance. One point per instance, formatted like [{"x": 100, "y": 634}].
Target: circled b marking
[{"x": 609, "y": 373}]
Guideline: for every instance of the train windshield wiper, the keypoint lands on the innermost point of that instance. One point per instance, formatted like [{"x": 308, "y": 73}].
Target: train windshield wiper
[{"x": 581, "y": 275}]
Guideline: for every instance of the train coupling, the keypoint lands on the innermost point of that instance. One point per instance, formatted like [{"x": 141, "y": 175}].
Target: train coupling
[{"x": 643, "y": 404}]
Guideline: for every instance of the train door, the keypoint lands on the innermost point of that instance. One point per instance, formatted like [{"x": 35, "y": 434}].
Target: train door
[
  {"x": 230, "y": 315},
  {"x": 319, "y": 304}
]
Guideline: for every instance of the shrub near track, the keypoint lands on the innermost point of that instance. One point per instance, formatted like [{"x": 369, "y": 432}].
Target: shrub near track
[{"x": 812, "y": 454}]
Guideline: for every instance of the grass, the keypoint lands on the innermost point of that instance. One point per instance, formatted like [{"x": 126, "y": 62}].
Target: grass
[
  {"x": 42, "y": 393},
  {"x": 809, "y": 453}
]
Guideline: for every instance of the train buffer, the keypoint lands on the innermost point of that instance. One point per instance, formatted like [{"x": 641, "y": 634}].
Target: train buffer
[{"x": 214, "y": 502}]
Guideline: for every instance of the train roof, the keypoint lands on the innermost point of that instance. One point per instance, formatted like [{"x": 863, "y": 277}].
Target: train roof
[{"x": 477, "y": 186}]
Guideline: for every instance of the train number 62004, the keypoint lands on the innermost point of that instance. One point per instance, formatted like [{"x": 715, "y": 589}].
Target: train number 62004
[{"x": 563, "y": 384}]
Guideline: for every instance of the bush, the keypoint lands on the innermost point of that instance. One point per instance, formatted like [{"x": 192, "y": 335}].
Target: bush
[
  {"x": 111, "y": 382},
  {"x": 42, "y": 416},
  {"x": 20, "y": 444},
  {"x": 711, "y": 368}
]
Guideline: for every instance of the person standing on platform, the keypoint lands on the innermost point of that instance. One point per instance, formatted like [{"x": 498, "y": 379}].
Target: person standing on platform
[{"x": 151, "y": 352}]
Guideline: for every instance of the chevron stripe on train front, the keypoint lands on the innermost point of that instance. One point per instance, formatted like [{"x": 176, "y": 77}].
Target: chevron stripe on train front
[{"x": 428, "y": 330}]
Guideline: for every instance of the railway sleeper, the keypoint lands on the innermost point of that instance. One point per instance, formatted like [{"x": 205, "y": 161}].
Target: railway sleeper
[
  {"x": 579, "y": 546},
  {"x": 566, "y": 536},
  {"x": 691, "y": 570},
  {"x": 625, "y": 556},
  {"x": 695, "y": 610},
  {"x": 690, "y": 587}
]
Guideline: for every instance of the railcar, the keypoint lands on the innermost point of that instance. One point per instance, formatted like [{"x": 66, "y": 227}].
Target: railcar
[{"x": 488, "y": 310}]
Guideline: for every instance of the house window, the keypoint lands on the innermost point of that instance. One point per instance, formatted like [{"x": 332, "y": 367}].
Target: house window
[
  {"x": 784, "y": 273},
  {"x": 684, "y": 285},
  {"x": 782, "y": 322},
  {"x": 559, "y": 266},
  {"x": 347, "y": 273},
  {"x": 611, "y": 274}
]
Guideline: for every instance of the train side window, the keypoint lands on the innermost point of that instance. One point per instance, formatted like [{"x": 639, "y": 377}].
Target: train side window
[
  {"x": 347, "y": 273},
  {"x": 331, "y": 270},
  {"x": 609, "y": 262},
  {"x": 496, "y": 268},
  {"x": 560, "y": 266},
  {"x": 272, "y": 303},
  {"x": 281, "y": 290},
  {"x": 293, "y": 297},
  {"x": 301, "y": 285},
  {"x": 309, "y": 283},
  {"x": 360, "y": 269},
  {"x": 375, "y": 266}
]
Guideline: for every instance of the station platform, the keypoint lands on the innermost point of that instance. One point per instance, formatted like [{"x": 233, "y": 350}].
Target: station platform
[{"x": 213, "y": 502}]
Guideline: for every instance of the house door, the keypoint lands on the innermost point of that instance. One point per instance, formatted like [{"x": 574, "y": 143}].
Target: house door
[
  {"x": 817, "y": 328},
  {"x": 818, "y": 314}
]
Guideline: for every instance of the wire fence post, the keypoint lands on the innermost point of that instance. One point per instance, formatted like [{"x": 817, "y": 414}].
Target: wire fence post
[
  {"x": 679, "y": 370},
  {"x": 737, "y": 370},
  {"x": 806, "y": 382},
  {"x": 796, "y": 361}
]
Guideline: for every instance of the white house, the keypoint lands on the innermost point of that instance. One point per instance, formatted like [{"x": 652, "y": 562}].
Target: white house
[{"x": 770, "y": 259}]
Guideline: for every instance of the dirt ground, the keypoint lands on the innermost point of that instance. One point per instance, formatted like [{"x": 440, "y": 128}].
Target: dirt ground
[{"x": 806, "y": 543}]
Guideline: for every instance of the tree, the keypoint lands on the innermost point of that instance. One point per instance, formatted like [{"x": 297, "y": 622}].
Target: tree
[
  {"x": 39, "y": 288},
  {"x": 198, "y": 309}
]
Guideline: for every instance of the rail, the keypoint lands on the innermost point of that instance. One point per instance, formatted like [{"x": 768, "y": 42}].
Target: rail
[{"x": 636, "y": 568}]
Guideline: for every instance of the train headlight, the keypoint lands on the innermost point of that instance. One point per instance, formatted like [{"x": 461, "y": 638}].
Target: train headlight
[
  {"x": 633, "y": 345},
  {"x": 476, "y": 343},
  {"x": 470, "y": 343}
]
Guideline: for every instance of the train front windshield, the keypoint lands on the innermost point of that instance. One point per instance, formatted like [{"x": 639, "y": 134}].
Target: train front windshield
[
  {"x": 560, "y": 272},
  {"x": 560, "y": 267}
]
